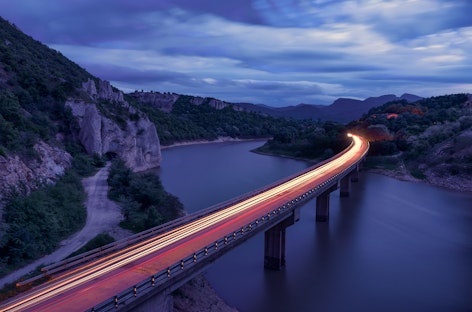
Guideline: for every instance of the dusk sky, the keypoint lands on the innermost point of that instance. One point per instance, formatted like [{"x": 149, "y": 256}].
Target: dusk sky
[{"x": 274, "y": 52}]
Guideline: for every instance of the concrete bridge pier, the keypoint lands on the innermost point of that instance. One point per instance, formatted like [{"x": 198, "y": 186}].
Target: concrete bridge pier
[
  {"x": 322, "y": 205},
  {"x": 274, "y": 242},
  {"x": 345, "y": 186},
  {"x": 355, "y": 174}
]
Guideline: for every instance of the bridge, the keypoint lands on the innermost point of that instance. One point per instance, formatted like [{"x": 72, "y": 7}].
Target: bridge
[{"x": 140, "y": 272}]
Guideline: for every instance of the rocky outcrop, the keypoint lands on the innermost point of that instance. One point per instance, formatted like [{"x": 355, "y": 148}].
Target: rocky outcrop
[
  {"x": 197, "y": 295},
  {"x": 161, "y": 101},
  {"x": 135, "y": 141},
  {"x": 165, "y": 101},
  {"x": 50, "y": 163},
  {"x": 449, "y": 163},
  {"x": 105, "y": 91}
]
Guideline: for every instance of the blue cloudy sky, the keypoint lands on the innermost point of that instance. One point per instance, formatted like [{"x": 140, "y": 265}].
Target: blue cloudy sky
[{"x": 276, "y": 52}]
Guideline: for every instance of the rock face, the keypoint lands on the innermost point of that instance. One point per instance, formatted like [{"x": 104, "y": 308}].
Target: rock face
[
  {"x": 161, "y": 101},
  {"x": 105, "y": 91},
  {"x": 448, "y": 166},
  {"x": 165, "y": 101},
  {"x": 50, "y": 163},
  {"x": 197, "y": 295},
  {"x": 134, "y": 139}
]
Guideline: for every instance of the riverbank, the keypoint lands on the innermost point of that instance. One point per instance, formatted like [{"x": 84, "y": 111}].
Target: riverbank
[
  {"x": 394, "y": 168},
  {"x": 218, "y": 140},
  {"x": 451, "y": 183},
  {"x": 197, "y": 295},
  {"x": 266, "y": 153}
]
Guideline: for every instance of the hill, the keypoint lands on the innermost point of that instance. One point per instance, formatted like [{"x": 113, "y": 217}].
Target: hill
[
  {"x": 57, "y": 124},
  {"x": 187, "y": 118},
  {"x": 430, "y": 139},
  {"x": 36, "y": 124},
  {"x": 343, "y": 110}
]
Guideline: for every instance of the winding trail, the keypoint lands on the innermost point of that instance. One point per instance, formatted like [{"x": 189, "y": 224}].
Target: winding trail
[{"x": 103, "y": 216}]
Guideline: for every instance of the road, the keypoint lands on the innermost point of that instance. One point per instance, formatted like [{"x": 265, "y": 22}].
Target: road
[
  {"x": 103, "y": 216},
  {"x": 98, "y": 281}
]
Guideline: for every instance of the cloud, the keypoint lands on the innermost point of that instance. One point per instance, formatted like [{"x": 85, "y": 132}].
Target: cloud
[
  {"x": 397, "y": 19},
  {"x": 276, "y": 52}
]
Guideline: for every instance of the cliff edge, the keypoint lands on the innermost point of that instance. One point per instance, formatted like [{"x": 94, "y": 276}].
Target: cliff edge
[{"x": 107, "y": 124}]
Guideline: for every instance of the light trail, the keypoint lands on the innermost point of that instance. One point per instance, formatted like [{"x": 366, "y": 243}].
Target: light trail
[{"x": 108, "y": 264}]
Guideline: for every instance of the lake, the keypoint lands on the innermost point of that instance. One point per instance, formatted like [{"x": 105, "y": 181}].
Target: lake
[{"x": 390, "y": 246}]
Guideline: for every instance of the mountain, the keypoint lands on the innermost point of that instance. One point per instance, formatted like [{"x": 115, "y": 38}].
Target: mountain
[{"x": 342, "y": 110}]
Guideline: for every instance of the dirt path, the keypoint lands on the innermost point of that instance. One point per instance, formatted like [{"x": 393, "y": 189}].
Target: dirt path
[{"x": 103, "y": 216}]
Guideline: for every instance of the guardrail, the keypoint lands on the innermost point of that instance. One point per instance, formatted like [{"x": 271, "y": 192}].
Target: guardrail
[{"x": 73, "y": 262}]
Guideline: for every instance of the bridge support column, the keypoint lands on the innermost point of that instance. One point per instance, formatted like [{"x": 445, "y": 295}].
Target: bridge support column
[
  {"x": 322, "y": 205},
  {"x": 274, "y": 243},
  {"x": 355, "y": 174},
  {"x": 345, "y": 186}
]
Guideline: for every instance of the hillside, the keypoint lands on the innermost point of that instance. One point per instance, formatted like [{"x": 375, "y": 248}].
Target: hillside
[
  {"x": 186, "y": 118},
  {"x": 430, "y": 139},
  {"x": 41, "y": 135},
  {"x": 57, "y": 125}
]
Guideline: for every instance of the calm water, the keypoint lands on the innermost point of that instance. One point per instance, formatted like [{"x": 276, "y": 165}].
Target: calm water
[{"x": 390, "y": 246}]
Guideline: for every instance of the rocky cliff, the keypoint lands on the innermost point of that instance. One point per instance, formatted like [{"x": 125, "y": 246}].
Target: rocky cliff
[
  {"x": 44, "y": 168},
  {"x": 126, "y": 133},
  {"x": 165, "y": 101}
]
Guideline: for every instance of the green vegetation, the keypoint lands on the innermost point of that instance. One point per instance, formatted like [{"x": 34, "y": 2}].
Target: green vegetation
[
  {"x": 429, "y": 133},
  {"x": 35, "y": 81},
  {"x": 433, "y": 133},
  {"x": 294, "y": 138},
  {"x": 144, "y": 201},
  {"x": 96, "y": 242},
  {"x": 189, "y": 122},
  {"x": 34, "y": 84},
  {"x": 117, "y": 112},
  {"x": 308, "y": 140},
  {"x": 34, "y": 224}
]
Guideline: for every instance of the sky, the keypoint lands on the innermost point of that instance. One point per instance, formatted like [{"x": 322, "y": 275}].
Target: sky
[{"x": 273, "y": 52}]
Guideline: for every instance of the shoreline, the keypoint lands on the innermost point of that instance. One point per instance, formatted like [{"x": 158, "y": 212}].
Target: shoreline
[
  {"x": 190, "y": 294},
  {"x": 456, "y": 187},
  {"x": 311, "y": 161},
  {"x": 218, "y": 140},
  {"x": 399, "y": 175}
]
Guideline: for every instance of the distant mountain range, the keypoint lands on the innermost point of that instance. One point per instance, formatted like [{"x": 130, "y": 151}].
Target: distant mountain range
[{"x": 342, "y": 110}]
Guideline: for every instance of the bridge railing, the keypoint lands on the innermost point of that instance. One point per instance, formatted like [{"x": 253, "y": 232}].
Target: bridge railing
[
  {"x": 225, "y": 242},
  {"x": 100, "y": 252},
  {"x": 193, "y": 260}
]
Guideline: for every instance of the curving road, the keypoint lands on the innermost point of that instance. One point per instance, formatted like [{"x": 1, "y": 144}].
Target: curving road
[{"x": 95, "y": 282}]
